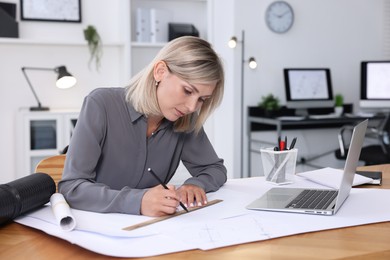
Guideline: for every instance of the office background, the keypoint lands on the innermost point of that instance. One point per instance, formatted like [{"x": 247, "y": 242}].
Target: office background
[{"x": 325, "y": 33}]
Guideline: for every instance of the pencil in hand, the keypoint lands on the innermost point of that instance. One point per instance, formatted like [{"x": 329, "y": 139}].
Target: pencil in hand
[{"x": 165, "y": 186}]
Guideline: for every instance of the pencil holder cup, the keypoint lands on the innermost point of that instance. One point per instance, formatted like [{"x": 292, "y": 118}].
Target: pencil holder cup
[{"x": 279, "y": 166}]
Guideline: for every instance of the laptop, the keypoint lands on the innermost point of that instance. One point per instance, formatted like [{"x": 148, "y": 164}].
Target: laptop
[{"x": 316, "y": 201}]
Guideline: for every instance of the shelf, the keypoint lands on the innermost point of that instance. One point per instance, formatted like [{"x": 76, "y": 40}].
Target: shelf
[
  {"x": 147, "y": 45},
  {"x": 53, "y": 42},
  {"x": 44, "y": 152},
  {"x": 140, "y": 54}
]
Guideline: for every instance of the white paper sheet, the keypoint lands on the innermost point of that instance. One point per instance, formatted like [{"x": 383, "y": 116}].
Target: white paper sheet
[
  {"x": 331, "y": 177},
  {"x": 223, "y": 224},
  {"x": 105, "y": 224}
]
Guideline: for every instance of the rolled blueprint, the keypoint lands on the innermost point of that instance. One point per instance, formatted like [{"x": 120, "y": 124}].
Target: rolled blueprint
[{"x": 62, "y": 213}]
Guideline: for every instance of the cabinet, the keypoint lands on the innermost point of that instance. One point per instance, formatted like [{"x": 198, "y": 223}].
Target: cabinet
[
  {"x": 42, "y": 134},
  {"x": 196, "y": 12}
]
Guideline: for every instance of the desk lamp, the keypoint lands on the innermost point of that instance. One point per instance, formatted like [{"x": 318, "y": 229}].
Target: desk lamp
[
  {"x": 64, "y": 80},
  {"x": 252, "y": 65}
]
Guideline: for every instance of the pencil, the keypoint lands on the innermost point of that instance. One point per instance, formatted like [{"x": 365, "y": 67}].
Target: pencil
[
  {"x": 165, "y": 186},
  {"x": 293, "y": 143}
]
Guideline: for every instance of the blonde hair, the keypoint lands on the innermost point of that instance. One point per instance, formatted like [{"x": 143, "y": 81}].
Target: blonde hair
[{"x": 191, "y": 59}]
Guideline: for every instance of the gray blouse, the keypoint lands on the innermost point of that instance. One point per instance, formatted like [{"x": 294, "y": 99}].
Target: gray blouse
[{"x": 109, "y": 154}]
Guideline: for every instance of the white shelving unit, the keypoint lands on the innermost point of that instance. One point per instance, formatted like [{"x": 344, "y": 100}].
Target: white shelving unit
[
  {"x": 196, "y": 12},
  {"x": 42, "y": 134}
]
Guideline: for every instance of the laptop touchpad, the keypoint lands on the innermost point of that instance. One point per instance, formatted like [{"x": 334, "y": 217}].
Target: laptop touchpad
[{"x": 280, "y": 197}]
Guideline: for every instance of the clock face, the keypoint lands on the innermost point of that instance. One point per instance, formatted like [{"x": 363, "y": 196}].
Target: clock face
[{"x": 279, "y": 16}]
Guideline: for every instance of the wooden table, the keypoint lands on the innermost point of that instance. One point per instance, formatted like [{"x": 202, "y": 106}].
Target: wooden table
[{"x": 361, "y": 242}]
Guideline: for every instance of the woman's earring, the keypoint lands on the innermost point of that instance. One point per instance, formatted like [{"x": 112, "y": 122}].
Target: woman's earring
[{"x": 157, "y": 82}]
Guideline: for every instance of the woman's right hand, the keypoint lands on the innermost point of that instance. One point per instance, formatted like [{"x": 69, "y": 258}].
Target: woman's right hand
[{"x": 158, "y": 201}]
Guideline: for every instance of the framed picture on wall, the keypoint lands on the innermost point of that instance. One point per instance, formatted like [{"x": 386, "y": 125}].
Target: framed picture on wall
[{"x": 51, "y": 10}]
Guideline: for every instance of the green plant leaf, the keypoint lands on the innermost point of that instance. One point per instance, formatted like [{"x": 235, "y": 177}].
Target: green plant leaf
[
  {"x": 339, "y": 100},
  {"x": 94, "y": 45},
  {"x": 269, "y": 103}
]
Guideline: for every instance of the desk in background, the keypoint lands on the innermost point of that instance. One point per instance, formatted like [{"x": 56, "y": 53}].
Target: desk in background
[
  {"x": 257, "y": 121},
  {"x": 359, "y": 242}
]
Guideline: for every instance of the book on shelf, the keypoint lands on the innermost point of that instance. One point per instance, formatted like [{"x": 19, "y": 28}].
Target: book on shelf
[
  {"x": 159, "y": 20},
  {"x": 142, "y": 21}
]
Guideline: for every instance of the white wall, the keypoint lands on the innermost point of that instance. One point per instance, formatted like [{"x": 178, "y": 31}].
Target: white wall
[
  {"x": 225, "y": 127},
  {"x": 332, "y": 33},
  {"x": 326, "y": 33}
]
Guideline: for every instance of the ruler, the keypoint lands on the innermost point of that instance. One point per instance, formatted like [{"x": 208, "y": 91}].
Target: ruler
[{"x": 159, "y": 219}]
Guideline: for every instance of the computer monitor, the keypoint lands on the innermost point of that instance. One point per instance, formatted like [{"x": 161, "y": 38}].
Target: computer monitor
[
  {"x": 308, "y": 88},
  {"x": 375, "y": 85}
]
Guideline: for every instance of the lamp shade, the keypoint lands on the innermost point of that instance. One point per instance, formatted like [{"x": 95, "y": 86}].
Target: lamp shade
[
  {"x": 232, "y": 42},
  {"x": 65, "y": 79},
  {"x": 252, "y": 63}
]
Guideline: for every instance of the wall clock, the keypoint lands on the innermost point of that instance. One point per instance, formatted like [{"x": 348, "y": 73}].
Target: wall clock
[{"x": 279, "y": 17}]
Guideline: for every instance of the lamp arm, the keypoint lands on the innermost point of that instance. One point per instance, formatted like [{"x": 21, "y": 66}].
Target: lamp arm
[{"x": 29, "y": 82}]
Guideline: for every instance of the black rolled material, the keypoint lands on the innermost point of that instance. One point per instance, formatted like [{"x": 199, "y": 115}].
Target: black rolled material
[{"x": 22, "y": 195}]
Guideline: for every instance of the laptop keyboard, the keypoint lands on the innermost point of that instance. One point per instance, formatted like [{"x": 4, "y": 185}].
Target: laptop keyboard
[{"x": 313, "y": 199}]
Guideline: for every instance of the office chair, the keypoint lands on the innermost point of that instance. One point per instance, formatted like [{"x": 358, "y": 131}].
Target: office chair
[
  {"x": 53, "y": 166},
  {"x": 371, "y": 154}
]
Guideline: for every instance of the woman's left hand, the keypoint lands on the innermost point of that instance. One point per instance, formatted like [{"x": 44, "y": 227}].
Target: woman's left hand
[{"x": 192, "y": 195}]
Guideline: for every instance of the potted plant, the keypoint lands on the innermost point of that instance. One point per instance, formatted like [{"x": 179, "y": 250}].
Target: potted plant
[
  {"x": 270, "y": 104},
  {"x": 339, "y": 104},
  {"x": 94, "y": 44}
]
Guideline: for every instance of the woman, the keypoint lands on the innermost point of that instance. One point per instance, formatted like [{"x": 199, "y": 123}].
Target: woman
[{"x": 153, "y": 123}]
